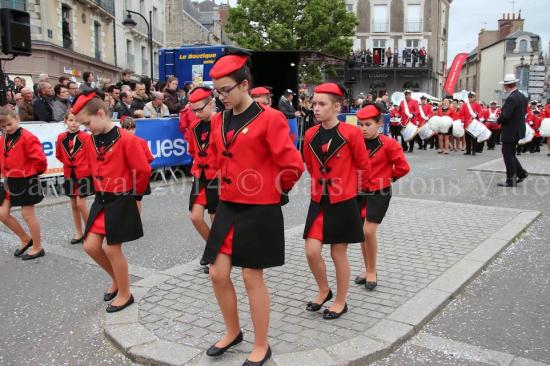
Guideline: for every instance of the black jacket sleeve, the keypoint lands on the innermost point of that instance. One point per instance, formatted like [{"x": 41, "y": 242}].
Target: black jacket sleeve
[
  {"x": 286, "y": 108},
  {"x": 42, "y": 110}
]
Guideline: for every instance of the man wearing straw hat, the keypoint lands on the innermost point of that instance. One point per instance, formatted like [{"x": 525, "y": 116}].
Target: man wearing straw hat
[{"x": 512, "y": 120}]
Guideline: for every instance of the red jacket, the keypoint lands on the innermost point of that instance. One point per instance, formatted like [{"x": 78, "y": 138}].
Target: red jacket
[
  {"x": 204, "y": 157},
  {"x": 123, "y": 167},
  {"x": 259, "y": 162},
  {"x": 413, "y": 109},
  {"x": 534, "y": 122},
  {"x": 451, "y": 112},
  {"x": 75, "y": 158},
  {"x": 491, "y": 118},
  {"x": 466, "y": 117},
  {"x": 146, "y": 150},
  {"x": 546, "y": 112},
  {"x": 428, "y": 112},
  {"x": 388, "y": 163},
  {"x": 346, "y": 170},
  {"x": 24, "y": 157},
  {"x": 395, "y": 115},
  {"x": 187, "y": 118}
]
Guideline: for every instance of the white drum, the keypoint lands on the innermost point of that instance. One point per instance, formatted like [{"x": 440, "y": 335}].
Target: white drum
[
  {"x": 485, "y": 135},
  {"x": 475, "y": 128},
  {"x": 409, "y": 132},
  {"x": 545, "y": 127},
  {"x": 529, "y": 135},
  {"x": 433, "y": 123},
  {"x": 425, "y": 132},
  {"x": 458, "y": 128},
  {"x": 445, "y": 123}
]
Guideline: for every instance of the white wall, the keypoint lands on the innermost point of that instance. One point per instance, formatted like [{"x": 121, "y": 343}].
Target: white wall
[{"x": 491, "y": 71}]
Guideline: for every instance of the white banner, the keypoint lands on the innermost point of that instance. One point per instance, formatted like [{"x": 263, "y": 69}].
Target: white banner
[{"x": 47, "y": 134}]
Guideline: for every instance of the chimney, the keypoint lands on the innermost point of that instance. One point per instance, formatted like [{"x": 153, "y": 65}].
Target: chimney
[{"x": 509, "y": 24}]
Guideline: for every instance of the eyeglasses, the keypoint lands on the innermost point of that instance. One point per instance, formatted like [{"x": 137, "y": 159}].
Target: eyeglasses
[
  {"x": 197, "y": 110},
  {"x": 225, "y": 93}
]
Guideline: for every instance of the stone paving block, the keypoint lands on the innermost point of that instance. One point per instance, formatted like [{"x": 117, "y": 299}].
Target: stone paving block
[
  {"x": 151, "y": 281},
  {"x": 317, "y": 357},
  {"x": 519, "y": 361},
  {"x": 125, "y": 337},
  {"x": 165, "y": 353},
  {"x": 390, "y": 331},
  {"x": 128, "y": 315},
  {"x": 421, "y": 307},
  {"x": 457, "y": 276},
  {"x": 359, "y": 350}
]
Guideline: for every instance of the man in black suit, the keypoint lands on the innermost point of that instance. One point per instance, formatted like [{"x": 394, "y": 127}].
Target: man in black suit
[{"x": 512, "y": 120}]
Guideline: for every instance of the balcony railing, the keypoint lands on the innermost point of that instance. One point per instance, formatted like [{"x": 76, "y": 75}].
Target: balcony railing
[
  {"x": 362, "y": 62},
  {"x": 107, "y": 5},
  {"x": 380, "y": 27},
  {"x": 130, "y": 61},
  {"x": 14, "y": 4},
  {"x": 413, "y": 26}
]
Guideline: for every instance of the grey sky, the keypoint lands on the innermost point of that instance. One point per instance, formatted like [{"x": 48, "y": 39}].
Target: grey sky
[{"x": 467, "y": 17}]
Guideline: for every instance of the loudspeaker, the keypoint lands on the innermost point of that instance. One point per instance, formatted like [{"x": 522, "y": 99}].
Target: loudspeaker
[{"x": 15, "y": 26}]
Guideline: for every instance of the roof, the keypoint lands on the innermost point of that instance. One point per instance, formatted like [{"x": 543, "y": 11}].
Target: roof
[{"x": 521, "y": 33}]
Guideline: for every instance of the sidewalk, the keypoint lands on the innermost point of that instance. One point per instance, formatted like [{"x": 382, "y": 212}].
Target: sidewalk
[{"x": 428, "y": 251}]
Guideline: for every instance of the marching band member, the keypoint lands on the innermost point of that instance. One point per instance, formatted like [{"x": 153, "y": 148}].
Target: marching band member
[
  {"x": 409, "y": 110},
  {"x": 22, "y": 161},
  {"x": 395, "y": 122},
  {"x": 546, "y": 114},
  {"x": 469, "y": 111},
  {"x": 388, "y": 163},
  {"x": 533, "y": 120},
  {"x": 483, "y": 119},
  {"x": 114, "y": 215},
  {"x": 425, "y": 112},
  {"x": 204, "y": 192},
  {"x": 446, "y": 109},
  {"x": 70, "y": 150},
  {"x": 258, "y": 164},
  {"x": 337, "y": 160},
  {"x": 261, "y": 94},
  {"x": 492, "y": 115}
]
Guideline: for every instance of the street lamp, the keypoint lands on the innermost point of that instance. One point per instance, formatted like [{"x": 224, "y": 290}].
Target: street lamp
[
  {"x": 522, "y": 61},
  {"x": 531, "y": 57},
  {"x": 541, "y": 59},
  {"x": 131, "y": 23}
]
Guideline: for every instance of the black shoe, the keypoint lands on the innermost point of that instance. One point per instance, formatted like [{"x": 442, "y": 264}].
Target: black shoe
[
  {"x": 371, "y": 285},
  {"x": 20, "y": 251},
  {"x": 214, "y": 351},
  {"x": 206, "y": 269},
  {"x": 77, "y": 241},
  {"x": 360, "y": 280},
  {"x": 473, "y": 153},
  {"x": 522, "y": 178},
  {"x": 108, "y": 296},
  {"x": 311, "y": 306},
  {"x": 466, "y": 153},
  {"x": 331, "y": 315},
  {"x": 259, "y": 363},
  {"x": 507, "y": 184},
  {"x": 28, "y": 257},
  {"x": 113, "y": 309}
]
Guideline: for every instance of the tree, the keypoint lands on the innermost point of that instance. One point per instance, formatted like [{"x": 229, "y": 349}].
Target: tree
[{"x": 316, "y": 25}]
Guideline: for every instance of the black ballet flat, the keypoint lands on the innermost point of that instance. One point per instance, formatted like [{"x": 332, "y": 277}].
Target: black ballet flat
[
  {"x": 331, "y": 315},
  {"x": 77, "y": 241},
  {"x": 259, "y": 363},
  {"x": 28, "y": 257},
  {"x": 108, "y": 296},
  {"x": 311, "y": 306},
  {"x": 206, "y": 269},
  {"x": 360, "y": 280},
  {"x": 214, "y": 351},
  {"x": 20, "y": 251},
  {"x": 113, "y": 308},
  {"x": 522, "y": 178},
  {"x": 371, "y": 285}
]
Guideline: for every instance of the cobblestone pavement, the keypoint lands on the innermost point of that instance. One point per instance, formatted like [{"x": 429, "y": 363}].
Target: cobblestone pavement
[{"x": 418, "y": 242}]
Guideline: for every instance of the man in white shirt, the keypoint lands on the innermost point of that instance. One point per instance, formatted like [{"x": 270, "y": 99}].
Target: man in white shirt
[{"x": 156, "y": 107}]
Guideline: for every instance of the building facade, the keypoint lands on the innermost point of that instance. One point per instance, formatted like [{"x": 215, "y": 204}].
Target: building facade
[{"x": 400, "y": 25}]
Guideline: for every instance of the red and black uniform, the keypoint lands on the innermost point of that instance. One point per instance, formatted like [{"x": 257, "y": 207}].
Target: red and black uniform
[
  {"x": 337, "y": 161},
  {"x": 388, "y": 163},
  {"x": 120, "y": 171},
  {"x": 22, "y": 160},
  {"x": 204, "y": 191},
  {"x": 70, "y": 150},
  {"x": 257, "y": 161},
  {"x": 395, "y": 122},
  {"x": 425, "y": 110},
  {"x": 491, "y": 117},
  {"x": 534, "y": 121},
  {"x": 412, "y": 116},
  {"x": 150, "y": 159},
  {"x": 467, "y": 118}
]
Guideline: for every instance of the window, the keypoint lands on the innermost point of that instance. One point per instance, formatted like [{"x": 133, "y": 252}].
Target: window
[
  {"x": 378, "y": 43},
  {"x": 142, "y": 6},
  {"x": 129, "y": 55},
  {"x": 412, "y": 43},
  {"x": 97, "y": 37},
  {"x": 66, "y": 20},
  {"x": 380, "y": 19},
  {"x": 523, "y": 46},
  {"x": 144, "y": 63},
  {"x": 155, "y": 16},
  {"x": 413, "y": 24},
  {"x": 350, "y": 7},
  {"x": 14, "y": 4}
]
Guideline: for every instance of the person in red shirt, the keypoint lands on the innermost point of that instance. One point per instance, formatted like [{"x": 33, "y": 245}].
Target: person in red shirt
[
  {"x": 70, "y": 150},
  {"x": 388, "y": 163},
  {"x": 469, "y": 111},
  {"x": 395, "y": 122},
  {"x": 425, "y": 111},
  {"x": 114, "y": 215},
  {"x": 337, "y": 160},
  {"x": 546, "y": 114},
  {"x": 261, "y": 94},
  {"x": 258, "y": 165},
  {"x": 446, "y": 109},
  {"x": 491, "y": 117},
  {"x": 533, "y": 120},
  {"x": 410, "y": 112},
  {"x": 204, "y": 192},
  {"x": 22, "y": 161}
]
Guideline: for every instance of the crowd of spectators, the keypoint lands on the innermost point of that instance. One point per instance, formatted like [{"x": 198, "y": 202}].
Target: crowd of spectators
[{"x": 379, "y": 57}]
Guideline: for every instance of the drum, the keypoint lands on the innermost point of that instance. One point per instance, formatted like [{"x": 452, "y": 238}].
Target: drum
[
  {"x": 434, "y": 122},
  {"x": 545, "y": 127},
  {"x": 529, "y": 135},
  {"x": 458, "y": 129},
  {"x": 425, "y": 132},
  {"x": 475, "y": 128},
  {"x": 409, "y": 132},
  {"x": 445, "y": 123},
  {"x": 485, "y": 135}
]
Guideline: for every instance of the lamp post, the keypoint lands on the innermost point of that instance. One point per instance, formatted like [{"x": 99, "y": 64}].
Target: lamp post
[
  {"x": 131, "y": 23},
  {"x": 531, "y": 57}
]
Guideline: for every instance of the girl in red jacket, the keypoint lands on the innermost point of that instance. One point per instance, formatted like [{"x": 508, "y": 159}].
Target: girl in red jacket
[
  {"x": 120, "y": 171},
  {"x": 388, "y": 163},
  {"x": 337, "y": 160},
  {"x": 78, "y": 184},
  {"x": 22, "y": 161},
  {"x": 446, "y": 109},
  {"x": 258, "y": 163}
]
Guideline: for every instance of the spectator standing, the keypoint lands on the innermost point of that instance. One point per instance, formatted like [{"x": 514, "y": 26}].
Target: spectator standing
[
  {"x": 396, "y": 58},
  {"x": 63, "y": 80},
  {"x": 376, "y": 58},
  {"x": 422, "y": 55},
  {"x": 124, "y": 107},
  {"x": 18, "y": 101},
  {"x": 171, "y": 95},
  {"x": 285, "y": 105},
  {"x": 42, "y": 104},
  {"x": 156, "y": 107},
  {"x": 18, "y": 84},
  {"x": 25, "y": 108},
  {"x": 41, "y": 78},
  {"x": 389, "y": 56},
  {"x": 414, "y": 54},
  {"x": 88, "y": 83},
  {"x": 73, "y": 90},
  {"x": 114, "y": 91},
  {"x": 126, "y": 79},
  {"x": 140, "y": 96},
  {"x": 60, "y": 104}
]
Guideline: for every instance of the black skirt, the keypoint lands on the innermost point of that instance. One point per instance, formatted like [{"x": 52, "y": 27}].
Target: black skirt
[
  {"x": 148, "y": 191},
  {"x": 341, "y": 221},
  {"x": 122, "y": 218},
  {"x": 82, "y": 187},
  {"x": 2, "y": 193},
  {"x": 25, "y": 191},
  {"x": 375, "y": 205},
  {"x": 258, "y": 238},
  {"x": 211, "y": 190}
]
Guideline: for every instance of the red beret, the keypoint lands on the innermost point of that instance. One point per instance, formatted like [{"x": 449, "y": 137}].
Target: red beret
[
  {"x": 199, "y": 94},
  {"x": 368, "y": 112},
  {"x": 260, "y": 91},
  {"x": 226, "y": 65},
  {"x": 81, "y": 101},
  {"x": 329, "y": 88}
]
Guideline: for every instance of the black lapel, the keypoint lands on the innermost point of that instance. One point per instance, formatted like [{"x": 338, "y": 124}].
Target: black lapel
[
  {"x": 198, "y": 138},
  {"x": 377, "y": 145},
  {"x": 117, "y": 137},
  {"x": 77, "y": 145},
  {"x": 252, "y": 119},
  {"x": 7, "y": 148},
  {"x": 315, "y": 146},
  {"x": 336, "y": 144}
]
